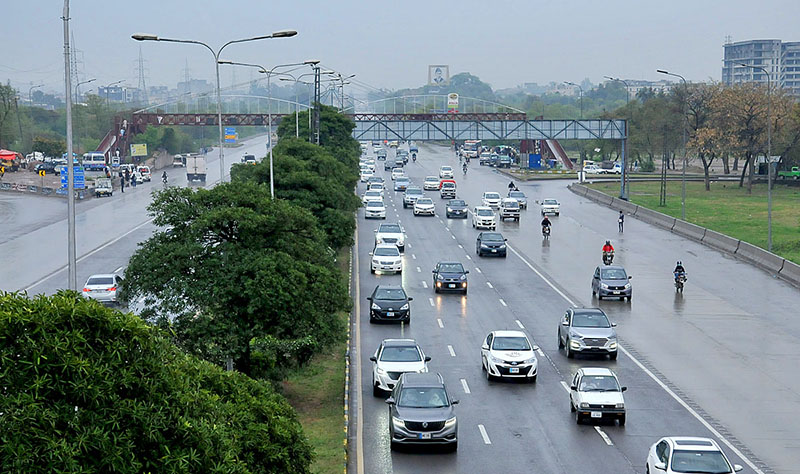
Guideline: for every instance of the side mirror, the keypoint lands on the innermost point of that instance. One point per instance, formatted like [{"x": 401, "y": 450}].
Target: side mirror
[
  {"x": 737, "y": 468},
  {"x": 505, "y": 240},
  {"x": 466, "y": 272},
  {"x": 535, "y": 347},
  {"x": 390, "y": 401},
  {"x": 565, "y": 323},
  {"x": 630, "y": 277},
  {"x": 370, "y": 253},
  {"x": 373, "y": 359},
  {"x": 623, "y": 389},
  {"x": 427, "y": 358},
  {"x": 376, "y": 230},
  {"x": 369, "y": 298},
  {"x": 454, "y": 402},
  {"x": 433, "y": 271},
  {"x": 410, "y": 299},
  {"x": 485, "y": 346},
  {"x": 613, "y": 325},
  {"x": 661, "y": 466},
  {"x": 573, "y": 387}
]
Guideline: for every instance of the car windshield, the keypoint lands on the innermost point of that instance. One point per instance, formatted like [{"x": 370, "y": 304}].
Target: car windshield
[
  {"x": 598, "y": 383},
  {"x": 387, "y": 252},
  {"x": 517, "y": 194},
  {"x": 451, "y": 268},
  {"x": 413, "y": 191},
  {"x": 100, "y": 281},
  {"x": 447, "y": 168},
  {"x": 613, "y": 274},
  {"x": 390, "y": 294},
  {"x": 511, "y": 204},
  {"x": 403, "y": 180},
  {"x": 492, "y": 237},
  {"x": 373, "y": 192},
  {"x": 699, "y": 461},
  {"x": 389, "y": 229},
  {"x": 375, "y": 187},
  {"x": 400, "y": 354},
  {"x": 485, "y": 212},
  {"x": 511, "y": 344},
  {"x": 416, "y": 397},
  {"x": 431, "y": 179},
  {"x": 448, "y": 185},
  {"x": 424, "y": 201},
  {"x": 457, "y": 203},
  {"x": 550, "y": 202},
  {"x": 590, "y": 320},
  {"x": 375, "y": 204},
  {"x": 491, "y": 196}
]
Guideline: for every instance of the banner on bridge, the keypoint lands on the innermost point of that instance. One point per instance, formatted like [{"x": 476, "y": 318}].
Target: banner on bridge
[{"x": 452, "y": 103}]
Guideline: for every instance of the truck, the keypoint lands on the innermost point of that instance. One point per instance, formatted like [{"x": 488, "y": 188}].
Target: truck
[
  {"x": 447, "y": 189},
  {"x": 196, "y": 168},
  {"x": 794, "y": 173},
  {"x": 103, "y": 187}
]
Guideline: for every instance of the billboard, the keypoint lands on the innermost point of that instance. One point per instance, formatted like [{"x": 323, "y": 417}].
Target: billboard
[
  {"x": 452, "y": 103},
  {"x": 439, "y": 75},
  {"x": 138, "y": 149}
]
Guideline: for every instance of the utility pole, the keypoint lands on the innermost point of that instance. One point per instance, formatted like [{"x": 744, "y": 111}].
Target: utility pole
[
  {"x": 316, "y": 104},
  {"x": 71, "y": 253}
]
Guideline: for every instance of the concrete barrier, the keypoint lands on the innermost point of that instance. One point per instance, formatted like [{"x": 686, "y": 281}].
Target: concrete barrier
[
  {"x": 720, "y": 241},
  {"x": 689, "y": 230},
  {"x": 655, "y": 218},
  {"x": 760, "y": 257},
  {"x": 578, "y": 189},
  {"x": 627, "y": 207},
  {"x": 597, "y": 196},
  {"x": 790, "y": 272}
]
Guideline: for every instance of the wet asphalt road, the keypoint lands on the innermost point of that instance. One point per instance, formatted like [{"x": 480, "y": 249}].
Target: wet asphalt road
[
  {"x": 717, "y": 361},
  {"x": 108, "y": 230}
]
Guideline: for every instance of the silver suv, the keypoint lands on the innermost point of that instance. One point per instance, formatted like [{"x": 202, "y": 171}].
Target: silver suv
[
  {"x": 587, "y": 330},
  {"x": 411, "y": 195}
]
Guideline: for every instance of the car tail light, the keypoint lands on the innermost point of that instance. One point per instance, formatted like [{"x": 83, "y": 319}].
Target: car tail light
[
  {"x": 113, "y": 288},
  {"x": 86, "y": 290}
]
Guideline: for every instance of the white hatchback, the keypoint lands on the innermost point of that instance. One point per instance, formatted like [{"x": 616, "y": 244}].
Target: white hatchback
[
  {"x": 688, "y": 454},
  {"x": 595, "y": 394},
  {"x": 483, "y": 217},
  {"x": 393, "y": 358},
  {"x": 386, "y": 258},
  {"x": 509, "y": 354},
  {"x": 446, "y": 172}
]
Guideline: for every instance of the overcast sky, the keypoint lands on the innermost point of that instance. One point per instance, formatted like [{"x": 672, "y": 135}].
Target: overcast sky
[{"x": 390, "y": 44}]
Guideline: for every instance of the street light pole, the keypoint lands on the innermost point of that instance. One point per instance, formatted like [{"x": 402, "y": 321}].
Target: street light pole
[
  {"x": 71, "y": 253},
  {"x": 277, "y": 34},
  {"x": 581, "y": 98},
  {"x": 80, "y": 84},
  {"x": 627, "y": 89},
  {"x": 30, "y": 93},
  {"x": 685, "y": 151},
  {"x": 624, "y": 175}
]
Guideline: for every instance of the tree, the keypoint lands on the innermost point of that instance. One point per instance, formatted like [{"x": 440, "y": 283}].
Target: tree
[
  {"x": 233, "y": 264},
  {"x": 707, "y": 143},
  {"x": 8, "y": 97},
  {"x": 49, "y": 146},
  {"x": 93, "y": 390}
]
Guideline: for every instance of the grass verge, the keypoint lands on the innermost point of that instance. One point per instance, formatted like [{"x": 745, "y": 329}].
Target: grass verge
[{"x": 728, "y": 209}]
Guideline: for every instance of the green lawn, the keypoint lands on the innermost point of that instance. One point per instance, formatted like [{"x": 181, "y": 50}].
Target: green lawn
[{"x": 728, "y": 209}]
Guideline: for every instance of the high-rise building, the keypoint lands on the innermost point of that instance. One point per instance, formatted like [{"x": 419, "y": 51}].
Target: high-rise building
[{"x": 780, "y": 59}]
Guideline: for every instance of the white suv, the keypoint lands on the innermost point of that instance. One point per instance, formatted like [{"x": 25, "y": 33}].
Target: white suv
[
  {"x": 550, "y": 206},
  {"x": 483, "y": 218},
  {"x": 509, "y": 354},
  {"x": 393, "y": 358},
  {"x": 595, "y": 393},
  {"x": 688, "y": 454},
  {"x": 386, "y": 259},
  {"x": 491, "y": 199},
  {"x": 390, "y": 234}
]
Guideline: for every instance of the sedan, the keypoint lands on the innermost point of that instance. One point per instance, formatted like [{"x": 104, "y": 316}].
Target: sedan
[
  {"x": 509, "y": 354},
  {"x": 411, "y": 195},
  {"x": 50, "y": 167},
  {"x": 102, "y": 288},
  {"x": 372, "y": 195},
  {"x": 424, "y": 206},
  {"x": 397, "y": 172},
  {"x": 401, "y": 183},
  {"x": 431, "y": 183},
  {"x": 389, "y": 303},
  {"x": 491, "y": 199},
  {"x": 490, "y": 243},
  {"x": 421, "y": 412},
  {"x": 366, "y": 174},
  {"x": 391, "y": 234},
  {"x": 374, "y": 210},
  {"x": 386, "y": 258},
  {"x": 587, "y": 330},
  {"x": 375, "y": 179},
  {"x": 450, "y": 276},
  {"x": 611, "y": 280},
  {"x": 393, "y": 358},
  {"x": 457, "y": 208},
  {"x": 520, "y": 197},
  {"x": 688, "y": 454},
  {"x": 446, "y": 172},
  {"x": 595, "y": 394}
]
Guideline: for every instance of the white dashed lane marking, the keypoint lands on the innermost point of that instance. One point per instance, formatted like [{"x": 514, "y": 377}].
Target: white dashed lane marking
[
  {"x": 603, "y": 435},
  {"x": 503, "y": 302},
  {"x": 424, "y": 284},
  {"x": 519, "y": 324},
  {"x": 441, "y": 324},
  {"x": 464, "y": 384},
  {"x": 484, "y": 435},
  {"x": 431, "y": 301},
  {"x": 419, "y": 270},
  {"x": 489, "y": 285},
  {"x": 478, "y": 270}
]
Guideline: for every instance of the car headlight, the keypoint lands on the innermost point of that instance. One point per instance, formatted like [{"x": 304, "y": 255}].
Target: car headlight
[
  {"x": 375, "y": 306},
  {"x": 620, "y": 405},
  {"x": 584, "y": 405},
  {"x": 574, "y": 343},
  {"x": 398, "y": 422},
  {"x": 503, "y": 246},
  {"x": 463, "y": 277},
  {"x": 380, "y": 371},
  {"x": 404, "y": 307},
  {"x": 495, "y": 359},
  {"x": 603, "y": 286},
  {"x": 378, "y": 240},
  {"x": 627, "y": 285},
  {"x": 530, "y": 361},
  {"x": 439, "y": 277},
  {"x": 450, "y": 422},
  {"x": 612, "y": 345},
  {"x": 484, "y": 246},
  {"x": 375, "y": 261}
]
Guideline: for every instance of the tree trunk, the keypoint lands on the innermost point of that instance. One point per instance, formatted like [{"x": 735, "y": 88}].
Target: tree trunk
[
  {"x": 725, "y": 165},
  {"x": 706, "y": 165},
  {"x": 673, "y": 161},
  {"x": 736, "y": 163},
  {"x": 744, "y": 170}
]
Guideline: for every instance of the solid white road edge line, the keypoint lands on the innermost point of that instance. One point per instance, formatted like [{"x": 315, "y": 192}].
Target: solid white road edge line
[
  {"x": 464, "y": 384},
  {"x": 452, "y": 352},
  {"x": 564, "y": 384},
  {"x": 484, "y": 435},
  {"x": 603, "y": 435},
  {"x": 360, "y": 411}
]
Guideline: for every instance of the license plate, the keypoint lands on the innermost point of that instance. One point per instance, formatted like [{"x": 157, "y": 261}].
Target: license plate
[
  {"x": 451, "y": 285},
  {"x": 494, "y": 250},
  {"x": 616, "y": 292},
  {"x": 424, "y": 436},
  {"x": 389, "y": 314},
  {"x": 597, "y": 414},
  {"x": 513, "y": 370}
]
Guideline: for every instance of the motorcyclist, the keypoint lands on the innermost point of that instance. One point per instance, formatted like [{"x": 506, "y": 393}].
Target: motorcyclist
[
  {"x": 546, "y": 225},
  {"x": 464, "y": 168},
  {"x": 414, "y": 157},
  {"x": 608, "y": 252},
  {"x": 512, "y": 186},
  {"x": 679, "y": 270}
]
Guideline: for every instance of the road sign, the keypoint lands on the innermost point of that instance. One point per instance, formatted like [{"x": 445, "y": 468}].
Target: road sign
[
  {"x": 79, "y": 177},
  {"x": 41, "y": 172},
  {"x": 230, "y": 135}
]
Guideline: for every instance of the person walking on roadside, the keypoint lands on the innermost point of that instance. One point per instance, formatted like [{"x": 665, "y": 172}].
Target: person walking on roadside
[
  {"x": 621, "y": 220},
  {"x": 121, "y": 182},
  {"x": 133, "y": 179}
]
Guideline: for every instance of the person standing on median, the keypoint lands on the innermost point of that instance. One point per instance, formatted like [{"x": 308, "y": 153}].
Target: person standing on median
[{"x": 621, "y": 220}]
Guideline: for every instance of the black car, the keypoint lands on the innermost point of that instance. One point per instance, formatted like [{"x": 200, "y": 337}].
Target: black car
[
  {"x": 47, "y": 167},
  {"x": 457, "y": 208},
  {"x": 490, "y": 243},
  {"x": 450, "y": 276},
  {"x": 389, "y": 303},
  {"x": 421, "y": 412}
]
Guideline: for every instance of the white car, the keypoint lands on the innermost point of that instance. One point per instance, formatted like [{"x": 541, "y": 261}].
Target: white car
[
  {"x": 376, "y": 187},
  {"x": 550, "y": 206},
  {"x": 446, "y": 172},
  {"x": 491, "y": 199},
  {"x": 144, "y": 173},
  {"x": 483, "y": 218},
  {"x": 617, "y": 169},
  {"x": 509, "y": 354},
  {"x": 102, "y": 288},
  {"x": 366, "y": 174},
  {"x": 424, "y": 206},
  {"x": 593, "y": 169},
  {"x": 391, "y": 234},
  {"x": 375, "y": 210},
  {"x": 370, "y": 164},
  {"x": 595, "y": 394},
  {"x": 372, "y": 195},
  {"x": 397, "y": 173},
  {"x": 393, "y": 358},
  {"x": 431, "y": 183},
  {"x": 688, "y": 454},
  {"x": 386, "y": 258}
]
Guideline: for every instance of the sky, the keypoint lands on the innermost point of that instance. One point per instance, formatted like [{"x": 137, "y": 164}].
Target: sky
[{"x": 388, "y": 45}]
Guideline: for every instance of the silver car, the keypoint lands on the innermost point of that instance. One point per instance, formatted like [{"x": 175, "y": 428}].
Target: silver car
[
  {"x": 102, "y": 287},
  {"x": 587, "y": 330}
]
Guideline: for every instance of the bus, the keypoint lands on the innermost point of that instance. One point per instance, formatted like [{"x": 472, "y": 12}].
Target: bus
[
  {"x": 94, "y": 160},
  {"x": 472, "y": 148}
]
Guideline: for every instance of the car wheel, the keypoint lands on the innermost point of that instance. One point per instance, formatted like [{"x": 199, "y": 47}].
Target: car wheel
[
  {"x": 376, "y": 391},
  {"x": 613, "y": 355},
  {"x": 629, "y": 299},
  {"x": 578, "y": 418},
  {"x": 371, "y": 270},
  {"x": 393, "y": 445},
  {"x": 622, "y": 420},
  {"x": 560, "y": 342},
  {"x": 533, "y": 379},
  {"x": 572, "y": 408},
  {"x": 371, "y": 319},
  {"x": 570, "y": 352},
  {"x": 401, "y": 248},
  {"x": 408, "y": 321}
]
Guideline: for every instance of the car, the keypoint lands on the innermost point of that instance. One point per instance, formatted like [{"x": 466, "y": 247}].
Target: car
[
  {"x": 394, "y": 144},
  {"x": 386, "y": 258},
  {"x": 450, "y": 276},
  {"x": 447, "y": 189},
  {"x": 380, "y": 153},
  {"x": 485, "y": 159},
  {"x": 375, "y": 187},
  {"x": 421, "y": 412},
  {"x": 424, "y": 206},
  {"x": 397, "y": 173},
  {"x": 616, "y": 169},
  {"x": 587, "y": 331},
  {"x": 50, "y": 167},
  {"x": 374, "y": 210},
  {"x": 411, "y": 195},
  {"x": 103, "y": 187},
  {"x": 593, "y": 169},
  {"x": 178, "y": 161},
  {"x": 431, "y": 183},
  {"x": 613, "y": 281},
  {"x": 483, "y": 218},
  {"x": 393, "y": 358},
  {"x": 387, "y": 165},
  {"x": 402, "y": 154},
  {"x": 399, "y": 162},
  {"x": 509, "y": 354},
  {"x": 390, "y": 233},
  {"x": 491, "y": 199},
  {"x": 401, "y": 183},
  {"x": 372, "y": 195},
  {"x": 503, "y": 161},
  {"x": 366, "y": 174},
  {"x": 521, "y": 198},
  {"x": 389, "y": 303},
  {"x": 688, "y": 454},
  {"x": 509, "y": 209},
  {"x": 457, "y": 208},
  {"x": 446, "y": 172},
  {"x": 102, "y": 287},
  {"x": 490, "y": 243},
  {"x": 550, "y": 206},
  {"x": 375, "y": 179},
  {"x": 595, "y": 394}
]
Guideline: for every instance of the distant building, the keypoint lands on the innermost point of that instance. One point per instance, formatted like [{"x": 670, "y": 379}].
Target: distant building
[
  {"x": 635, "y": 86},
  {"x": 780, "y": 59},
  {"x": 194, "y": 86}
]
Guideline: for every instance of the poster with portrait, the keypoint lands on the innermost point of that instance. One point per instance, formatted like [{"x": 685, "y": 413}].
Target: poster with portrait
[{"x": 439, "y": 75}]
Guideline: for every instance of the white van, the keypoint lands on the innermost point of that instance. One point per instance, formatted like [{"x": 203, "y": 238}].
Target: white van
[
  {"x": 94, "y": 160},
  {"x": 144, "y": 172}
]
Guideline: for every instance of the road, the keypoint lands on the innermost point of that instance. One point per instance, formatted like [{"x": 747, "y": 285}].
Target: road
[
  {"x": 108, "y": 230},
  {"x": 709, "y": 362}
]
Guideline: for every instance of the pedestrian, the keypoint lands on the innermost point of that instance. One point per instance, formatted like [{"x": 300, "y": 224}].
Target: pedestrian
[
  {"x": 621, "y": 220},
  {"x": 127, "y": 175},
  {"x": 133, "y": 179},
  {"x": 121, "y": 182}
]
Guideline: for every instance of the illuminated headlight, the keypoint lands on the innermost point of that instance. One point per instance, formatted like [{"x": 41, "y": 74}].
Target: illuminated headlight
[
  {"x": 620, "y": 405},
  {"x": 612, "y": 345},
  {"x": 398, "y": 422},
  {"x": 439, "y": 284},
  {"x": 380, "y": 371},
  {"x": 603, "y": 286},
  {"x": 484, "y": 246},
  {"x": 463, "y": 277},
  {"x": 584, "y": 405},
  {"x": 574, "y": 344},
  {"x": 404, "y": 307},
  {"x": 375, "y": 306},
  {"x": 449, "y": 423}
]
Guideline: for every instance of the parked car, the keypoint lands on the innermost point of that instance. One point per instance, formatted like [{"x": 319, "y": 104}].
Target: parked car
[
  {"x": 550, "y": 206},
  {"x": 595, "y": 393},
  {"x": 393, "y": 358},
  {"x": 675, "y": 454},
  {"x": 102, "y": 287},
  {"x": 450, "y": 276},
  {"x": 389, "y": 303},
  {"x": 48, "y": 167},
  {"x": 587, "y": 330},
  {"x": 593, "y": 169},
  {"x": 509, "y": 354},
  {"x": 611, "y": 280},
  {"x": 490, "y": 243},
  {"x": 144, "y": 173},
  {"x": 390, "y": 233},
  {"x": 483, "y": 218},
  {"x": 386, "y": 258},
  {"x": 375, "y": 210},
  {"x": 103, "y": 187},
  {"x": 421, "y": 412},
  {"x": 457, "y": 208}
]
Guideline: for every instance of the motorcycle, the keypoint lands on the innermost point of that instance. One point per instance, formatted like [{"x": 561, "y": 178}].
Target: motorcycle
[
  {"x": 680, "y": 280},
  {"x": 608, "y": 257},
  {"x": 464, "y": 169},
  {"x": 414, "y": 157},
  {"x": 546, "y": 231}
]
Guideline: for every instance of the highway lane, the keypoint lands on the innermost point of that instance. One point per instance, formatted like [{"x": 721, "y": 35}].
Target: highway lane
[
  {"x": 531, "y": 425},
  {"x": 108, "y": 230}
]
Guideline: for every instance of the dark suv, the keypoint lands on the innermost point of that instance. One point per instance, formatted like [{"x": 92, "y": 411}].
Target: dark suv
[
  {"x": 389, "y": 303},
  {"x": 450, "y": 276},
  {"x": 421, "y": 412}
]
